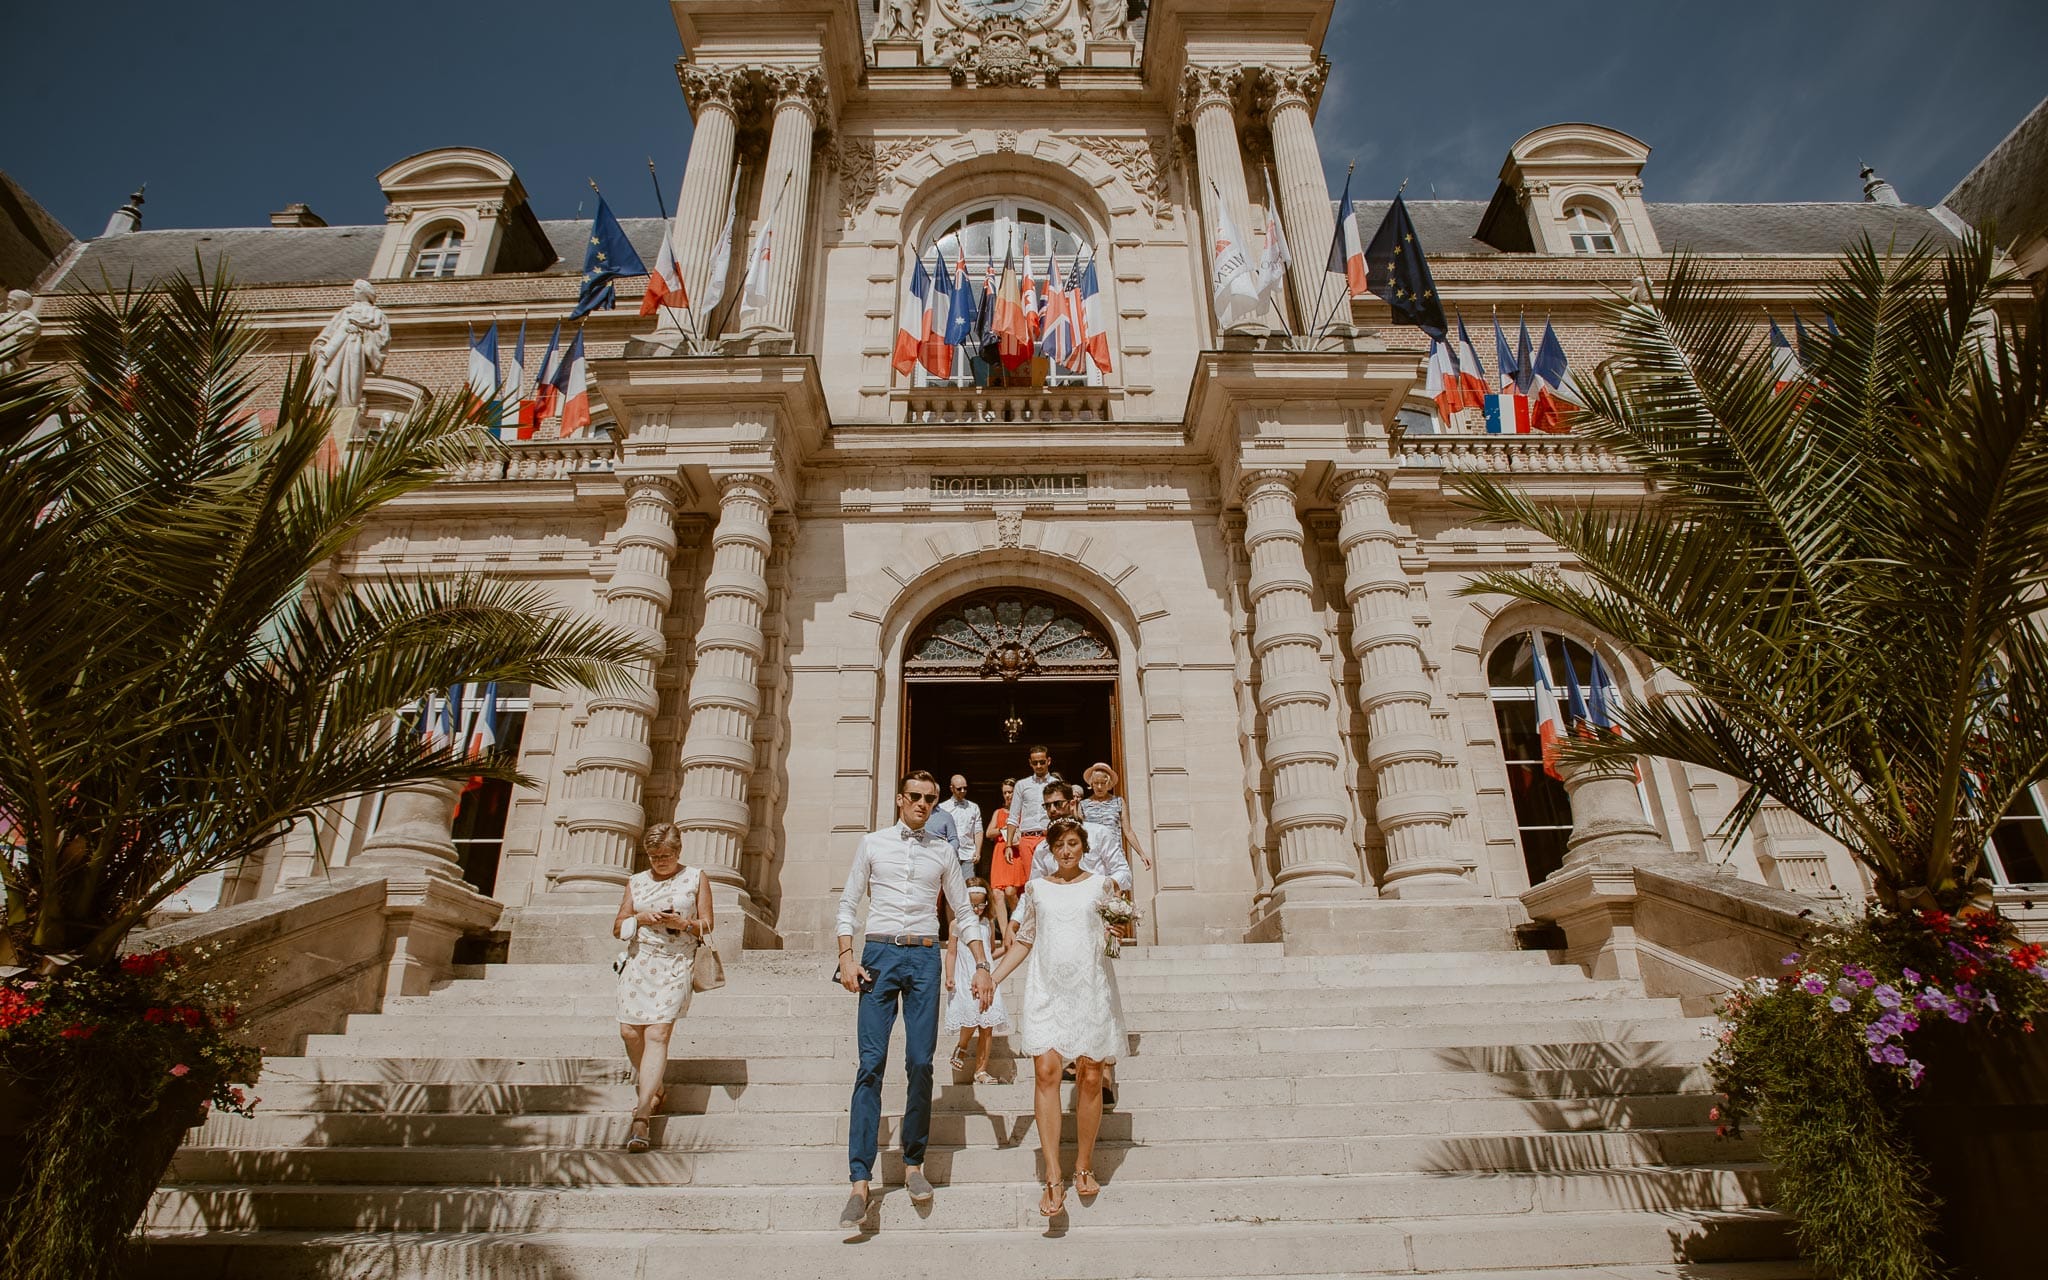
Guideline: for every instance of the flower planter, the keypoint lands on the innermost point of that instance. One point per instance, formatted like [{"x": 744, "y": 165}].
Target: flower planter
[{"x": 1981, "y": 1124}]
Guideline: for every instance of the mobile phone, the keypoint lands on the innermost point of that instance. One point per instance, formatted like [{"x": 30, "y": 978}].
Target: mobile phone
[{"x": 867, "y": 981}]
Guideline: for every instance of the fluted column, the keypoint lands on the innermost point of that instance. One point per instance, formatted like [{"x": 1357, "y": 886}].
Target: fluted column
[
  {"x": 1304, "y": 197},
  {"x": 1209, "y": 105},
  {"x": 605, "y": 812},
  {"x": 713, "y": 94},
  {"x": 1309, "y": 812},
  {"x": 725, "y": 694},
  {"x": 1401, "y": 747},
  {"x": 799, "y": 94}
]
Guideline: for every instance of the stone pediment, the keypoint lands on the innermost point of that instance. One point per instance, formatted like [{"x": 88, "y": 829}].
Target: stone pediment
[{"x": 1004, "y": 43}]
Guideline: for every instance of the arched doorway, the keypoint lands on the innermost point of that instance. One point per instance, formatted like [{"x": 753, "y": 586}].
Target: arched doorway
[{"x": 990, "y": 674}]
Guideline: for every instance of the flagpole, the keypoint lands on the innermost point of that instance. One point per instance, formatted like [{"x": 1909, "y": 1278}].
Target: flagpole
[
  {"x": 1317, "y": 323},
  {"x": 669, "y": 238},
  {"x": 719, "y": 323}
]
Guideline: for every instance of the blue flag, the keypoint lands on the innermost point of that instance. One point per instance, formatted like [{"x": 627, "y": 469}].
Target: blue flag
[
  {"x": 1525, "y": 362},
  {"x": 1509, "y": 372},
  {"x": 1397, "y": 271},
  {"x": 960, "y": 323},
  {"x": 609, "y": 256}
]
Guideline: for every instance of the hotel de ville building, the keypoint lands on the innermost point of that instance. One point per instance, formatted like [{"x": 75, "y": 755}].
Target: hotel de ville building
[{"x": 1226, "y": 561}]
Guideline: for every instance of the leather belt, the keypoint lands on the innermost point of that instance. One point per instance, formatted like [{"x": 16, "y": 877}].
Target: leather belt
[{"x": 904, "y": 939}]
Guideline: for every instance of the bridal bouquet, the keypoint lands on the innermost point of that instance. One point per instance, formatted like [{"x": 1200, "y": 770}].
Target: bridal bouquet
[{"x": 1117, "y": 914}]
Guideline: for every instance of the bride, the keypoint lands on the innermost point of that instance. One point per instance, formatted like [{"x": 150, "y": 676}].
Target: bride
[{"x": 1071, "y": 1010}]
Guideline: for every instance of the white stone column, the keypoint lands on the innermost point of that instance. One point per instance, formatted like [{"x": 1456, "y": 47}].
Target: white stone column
[
  {"x": 799, "y": 94},
  {"x": 605, "y": 815},
  {"x": 725, "y": 693},
  {"x": 1209, "y": 104},
  {"x": 713, "y": 94},
  {"x": 415, "y": 830},
  {"x": 1309, "y": 811},
  {"x": 1304, "y": 194},
  {"x": 1402, "y": 749},
  {"x": 428, "y": 906}
]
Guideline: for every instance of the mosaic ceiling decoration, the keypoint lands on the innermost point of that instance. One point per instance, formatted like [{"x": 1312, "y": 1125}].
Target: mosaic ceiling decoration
[{"x": 1010, "y": 635}]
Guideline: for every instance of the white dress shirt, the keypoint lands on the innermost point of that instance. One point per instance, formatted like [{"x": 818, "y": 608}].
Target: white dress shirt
[
  {"x": 966, "y": 817},
  {"x": 1027, "y": 804},
  {"x": 1105, "y": 857},
  {"x": 902, "y": 872}
]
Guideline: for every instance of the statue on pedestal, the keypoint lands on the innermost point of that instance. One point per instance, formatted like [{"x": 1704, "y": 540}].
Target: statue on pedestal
[
  {"x": 352, "y": 344},
  {"x": 19, "y": 329},
  {"x": 1111, "y": 19},
  {"x": 897, "y": 19}
]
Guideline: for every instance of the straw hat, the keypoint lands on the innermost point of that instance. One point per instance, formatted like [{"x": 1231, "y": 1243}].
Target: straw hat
[{"x": 1091, "y": 770}]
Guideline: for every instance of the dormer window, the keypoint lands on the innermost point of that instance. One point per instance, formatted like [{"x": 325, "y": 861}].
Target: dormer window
[
  {"x": 439, "y": 256},
  {"x": 1591, "y": 232}
]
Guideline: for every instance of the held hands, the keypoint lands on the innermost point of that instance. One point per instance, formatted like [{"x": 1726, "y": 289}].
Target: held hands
[{"x": 984, "y": 989}]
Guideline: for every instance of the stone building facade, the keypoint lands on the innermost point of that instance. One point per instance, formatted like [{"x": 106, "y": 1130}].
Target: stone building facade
[{"x": 1230, "y": 564}]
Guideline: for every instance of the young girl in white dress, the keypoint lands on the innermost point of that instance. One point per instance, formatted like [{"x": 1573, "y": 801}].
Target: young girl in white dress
[
  {"x": 963, "y": 1013},
  {"x": 1071, "y": 1008}
]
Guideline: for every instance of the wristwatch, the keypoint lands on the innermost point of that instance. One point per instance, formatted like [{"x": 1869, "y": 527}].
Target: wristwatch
[{"x": 981, "y": 966}]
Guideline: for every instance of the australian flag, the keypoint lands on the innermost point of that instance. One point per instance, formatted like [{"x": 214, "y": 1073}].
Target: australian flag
[
  {"x": 609, "y": 256},
  {"x": 1396, "y": 270}
]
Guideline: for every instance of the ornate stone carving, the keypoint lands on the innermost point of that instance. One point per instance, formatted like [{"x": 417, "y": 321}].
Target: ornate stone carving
[
  {"x": 1006, "y": 140},
  {"x": 899, "y": 20},
  {"x": 1630, "y": 186},
  {"x": 351, "y": 345},
  {"x": 804, "y": 84},
  {"x": 1009, "y": 528},
  {"x": 1534, "y": 191},
  {"x": 1109, "y": 19},
  {"x": 1203, "y": 86},
  {"x": 1003, "y": 51},
  {"x": 1143, "y": 163},
  {"x": 489, "y": 209},
  {"x": 1007, "y": 634},
  {"x": 867, "y": 168},
  {"x": 397, "y": 212},
  {"x": 714, "y": 86},
  {"x": 19, "y": 329},
  {"x": 1290, "y": 86}
]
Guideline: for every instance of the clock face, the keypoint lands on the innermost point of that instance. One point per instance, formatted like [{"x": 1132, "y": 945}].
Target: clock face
[{"x": 1026, "y": 10}]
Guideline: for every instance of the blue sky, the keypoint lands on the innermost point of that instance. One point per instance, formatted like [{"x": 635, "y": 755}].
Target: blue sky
[{"x": 232, "y": 108}]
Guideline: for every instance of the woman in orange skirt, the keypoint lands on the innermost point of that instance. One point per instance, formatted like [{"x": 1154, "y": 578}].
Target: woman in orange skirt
[{"x": 1008, "y": 870}]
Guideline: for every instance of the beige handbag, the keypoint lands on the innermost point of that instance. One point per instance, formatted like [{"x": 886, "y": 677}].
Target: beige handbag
[{"x": 707, "y": 971}]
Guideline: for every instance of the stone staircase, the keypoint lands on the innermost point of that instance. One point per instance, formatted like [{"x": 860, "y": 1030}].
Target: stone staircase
[{"x": 1449, "y": 1114}]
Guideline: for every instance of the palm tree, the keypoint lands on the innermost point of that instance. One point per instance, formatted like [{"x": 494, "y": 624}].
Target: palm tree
[
  {"x": 178, "y": 680},
  {"x": 1844, "y": 576}
]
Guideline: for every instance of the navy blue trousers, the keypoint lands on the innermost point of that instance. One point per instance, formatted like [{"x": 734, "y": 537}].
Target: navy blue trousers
[{"x": 914, "y": 976}]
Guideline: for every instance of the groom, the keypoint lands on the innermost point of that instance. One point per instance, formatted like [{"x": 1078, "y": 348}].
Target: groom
[{"x": 902, "y": 869}]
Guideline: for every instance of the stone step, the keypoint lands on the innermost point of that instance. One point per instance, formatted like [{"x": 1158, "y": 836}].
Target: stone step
[
  {"x": 494, "y": 1097},
  {"x": 690, "y": 1041},
  {"x": 729, "y": 1021},
  {"x": 953, "y": 1127},
  {"x": 1283, "y": 990},
  {"x": 1272, "y": 1201},
  {"x": 607, "y": 1064},
  {"x": 826, "y": 1165},
  {"x": 1237, "y": 1249}
]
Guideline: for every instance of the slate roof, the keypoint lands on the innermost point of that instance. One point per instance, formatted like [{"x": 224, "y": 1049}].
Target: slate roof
[
  {"x": 1448, "y": 226},
  {"x": 293, "y": 255},
  {"x": 2009, "y": 187}
]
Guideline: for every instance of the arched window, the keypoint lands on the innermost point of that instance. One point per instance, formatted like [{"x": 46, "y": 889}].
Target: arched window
[
  {"x": 1591, "y": 231},
  {"x": 975, "y": 240},
  {"x": 439, "y": 255},
  {"x": 1543, "y": 813}
]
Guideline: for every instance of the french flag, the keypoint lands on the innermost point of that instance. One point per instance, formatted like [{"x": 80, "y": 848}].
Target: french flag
[
  {"x": 1058, "y": 344},
  {"x": 536, "y": 410},
  {"x": 482, "y": 736},
  {"x": 933, "y": 348},
  {"x": 1556, "y": 396},
  {"x": 1347, "y": 247},
  {"x": 1095, "y": 333},
  {"x": 1471, "y": 373},
  {"x": 575, "y": 387},
  {"x": 1441, "y": 384},
  {"x": 483, "y": 372},
  {"x": 665, "y": 286},
  {"x": 1507, "y": 411},
  {"x": 447, "y": 731},
  {"x": 1550, "y": 726},
  {"x": 916, "y": 311},
  {"x": 1034, "y": 301},
  {"x": 1784, "y": 360}
]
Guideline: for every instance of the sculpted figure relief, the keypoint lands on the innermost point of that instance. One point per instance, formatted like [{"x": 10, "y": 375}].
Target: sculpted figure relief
[
  {"x": 352, "y": 344},
  {"x": 1111, "y": 19},
  {"x": 897, "y": 19},
  {"x": 19, "y": 329}
]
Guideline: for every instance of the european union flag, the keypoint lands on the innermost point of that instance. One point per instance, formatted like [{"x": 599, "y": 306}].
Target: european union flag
[
  {"x": 1396, "y": 270},
  {"x": 610, "y": 255}
]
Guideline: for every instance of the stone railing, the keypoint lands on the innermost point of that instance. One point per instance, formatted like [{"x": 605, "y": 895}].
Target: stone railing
[
  {"x": 537, "y": 460},
  {"x": 1513, "y": 455},
  {"x": 1007, "y": 405}
]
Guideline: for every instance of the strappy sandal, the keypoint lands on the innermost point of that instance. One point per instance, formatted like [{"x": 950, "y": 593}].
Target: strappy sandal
[
  {"x": 983, "y": 1077},
  {"x": 638, "y": 1143},
  {"x": 960, "y": 1059},
  {"x": 1089, "y": 1189},
  {"x": 1056, "y": 1196}
]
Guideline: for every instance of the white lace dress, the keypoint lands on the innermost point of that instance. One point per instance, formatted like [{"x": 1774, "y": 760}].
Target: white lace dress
[
  {"x": 654, "y": 984},
  {"x": 962, "y": 1009},
  {"x": 1071, "y": 1005}
]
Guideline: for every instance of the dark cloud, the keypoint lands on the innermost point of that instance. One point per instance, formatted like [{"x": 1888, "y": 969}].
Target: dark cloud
[{"x": 233, "y": 108}]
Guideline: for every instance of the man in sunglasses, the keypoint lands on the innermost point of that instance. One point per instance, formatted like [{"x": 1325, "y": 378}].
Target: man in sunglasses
[{"x": 902, "y": 870}]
